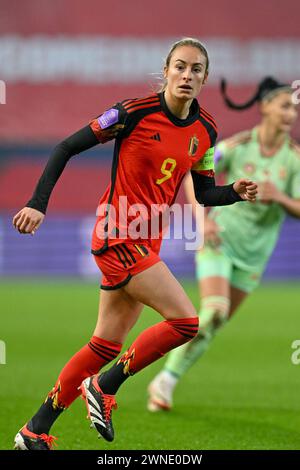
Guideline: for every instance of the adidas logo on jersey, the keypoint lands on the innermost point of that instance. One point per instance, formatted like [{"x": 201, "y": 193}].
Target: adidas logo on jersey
[{"x": 156, "y": 137}]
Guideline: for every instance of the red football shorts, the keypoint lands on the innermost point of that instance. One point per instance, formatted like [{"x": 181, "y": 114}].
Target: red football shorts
[{"x": 122, "y": 261}]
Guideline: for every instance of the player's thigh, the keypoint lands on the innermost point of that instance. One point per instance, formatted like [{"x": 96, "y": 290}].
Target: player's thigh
[
  {"x": 158, "y": 288},
  {"x": 118, "y": 313}
]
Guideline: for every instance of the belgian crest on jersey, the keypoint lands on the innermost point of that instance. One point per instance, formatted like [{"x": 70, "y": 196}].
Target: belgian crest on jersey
[{"x": 193, "y": 145}]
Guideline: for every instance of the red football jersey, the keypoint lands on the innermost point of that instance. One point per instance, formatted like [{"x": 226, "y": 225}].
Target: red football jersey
[{"x": 152, "y": 153}]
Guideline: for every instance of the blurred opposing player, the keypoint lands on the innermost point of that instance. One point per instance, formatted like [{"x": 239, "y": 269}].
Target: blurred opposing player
[
  {"x": 158, "y": 139},
  {"x": 238, "y": 243}
]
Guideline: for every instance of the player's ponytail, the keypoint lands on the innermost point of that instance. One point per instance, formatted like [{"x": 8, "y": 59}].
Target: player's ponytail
[{"x": 267, "y": 89}]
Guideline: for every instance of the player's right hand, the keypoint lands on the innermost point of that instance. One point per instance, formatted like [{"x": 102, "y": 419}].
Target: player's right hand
[
  {"x": 211, "y": 232},
  {"x": 28, "y": 220}
]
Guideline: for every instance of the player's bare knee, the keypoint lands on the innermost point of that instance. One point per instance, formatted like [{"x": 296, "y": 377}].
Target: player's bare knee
[
  {"x": 186, "y": 313},
  {"x": 190, "y": 313},
  {"x": 188, "y": 309},
  {"x": 181, "y": 310}
]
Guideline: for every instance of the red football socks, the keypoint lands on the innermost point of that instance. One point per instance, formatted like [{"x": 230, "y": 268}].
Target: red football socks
[
  {"x": 86, "y": 362},
  {"x": 156, "y": 341},
  {"x": 149, "y": 346}
]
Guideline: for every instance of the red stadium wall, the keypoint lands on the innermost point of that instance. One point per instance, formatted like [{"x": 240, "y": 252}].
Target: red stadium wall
[
  {"x": 230, "y": 18},
  {"x": 49, "y": 109},
  {"x": 78, "y": 190}
]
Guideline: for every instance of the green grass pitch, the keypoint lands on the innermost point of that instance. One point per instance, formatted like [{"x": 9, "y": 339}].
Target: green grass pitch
[{"x": 243, "y": 394}]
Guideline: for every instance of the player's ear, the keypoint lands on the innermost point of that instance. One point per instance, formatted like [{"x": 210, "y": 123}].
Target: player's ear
[
  {"x": 205, "y": 78},
  {"x": 165, "y": 72}
]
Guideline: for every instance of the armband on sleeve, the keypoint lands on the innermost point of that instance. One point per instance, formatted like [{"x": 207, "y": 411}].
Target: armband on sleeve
[{"x": 205, "y": 166}]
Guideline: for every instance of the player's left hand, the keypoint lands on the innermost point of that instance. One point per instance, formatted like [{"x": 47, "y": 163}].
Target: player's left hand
[
  {"x": 268, "y": 192},
  {"x": 246, "y": 189},
  {"x": 28, "y": 220}
]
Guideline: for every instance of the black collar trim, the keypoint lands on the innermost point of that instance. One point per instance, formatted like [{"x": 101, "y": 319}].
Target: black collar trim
[{"x": 192, "y": 117}]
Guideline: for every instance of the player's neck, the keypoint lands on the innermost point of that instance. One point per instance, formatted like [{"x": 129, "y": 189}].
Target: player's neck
[
  {"x": 177, "y": 107},
  {"x": 270, "y": 139}
]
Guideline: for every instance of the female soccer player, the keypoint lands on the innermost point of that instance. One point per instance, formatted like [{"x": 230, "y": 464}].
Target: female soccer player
[
  {"x": 158, "y": 139},
  {"x": 238, "y": 243}
]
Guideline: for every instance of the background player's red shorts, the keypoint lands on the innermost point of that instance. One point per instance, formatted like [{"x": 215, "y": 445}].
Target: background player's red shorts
[{"x": 122, "y": 261}]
